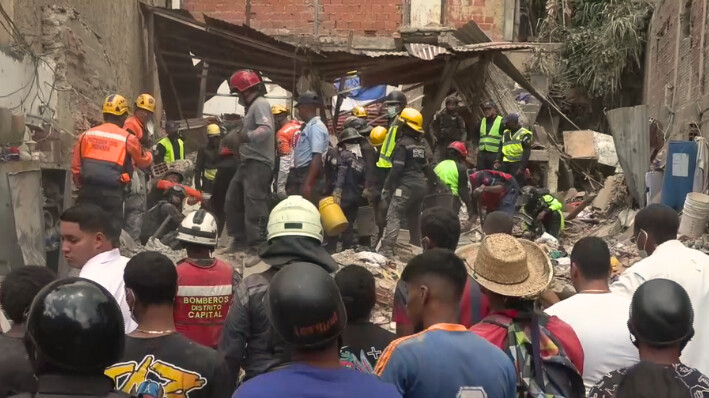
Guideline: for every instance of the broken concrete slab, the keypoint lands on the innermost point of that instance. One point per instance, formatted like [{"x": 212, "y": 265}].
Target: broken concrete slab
[
  {"x": 608, "y": 230},
  {"x": 603, "y": 200},
  {"x": 589, "y": 144},
  {"x": 627, "y": 217}
]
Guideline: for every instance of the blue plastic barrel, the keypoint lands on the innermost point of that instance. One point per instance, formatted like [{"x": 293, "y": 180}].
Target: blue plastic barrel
[{"x": 679, "y": 173}]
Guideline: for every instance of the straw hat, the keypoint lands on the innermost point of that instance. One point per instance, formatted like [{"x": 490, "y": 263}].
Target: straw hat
[{"x": 508, "y": 266}]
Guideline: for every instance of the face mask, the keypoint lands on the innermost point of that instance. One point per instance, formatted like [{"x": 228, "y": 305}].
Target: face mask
[
  {"x": 391, "y": 112},
  {"x": 150, "y": 127}
]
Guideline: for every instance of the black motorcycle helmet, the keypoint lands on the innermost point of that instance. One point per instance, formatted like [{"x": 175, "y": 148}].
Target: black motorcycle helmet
[
  {"x": 396, "y": 97},
  {"x": 661, "y": 314},
  {"x": 304, "y": 306},
  {"x": 358, "y": 124},
  {"x": 349, "y": 134},
  {"x": 75, "y": 325}
]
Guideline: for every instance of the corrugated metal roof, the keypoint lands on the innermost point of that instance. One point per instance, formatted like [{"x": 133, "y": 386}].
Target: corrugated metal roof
[
  {"x": 491, "y": 46},
  {"x": 425, "y": 51}
]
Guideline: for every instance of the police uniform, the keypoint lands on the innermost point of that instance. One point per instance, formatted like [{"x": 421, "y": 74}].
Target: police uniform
[
  {"x": 489, "y": 143},
  {"x": 449, "y": 127},
  {"x": 351, "y": 173}
]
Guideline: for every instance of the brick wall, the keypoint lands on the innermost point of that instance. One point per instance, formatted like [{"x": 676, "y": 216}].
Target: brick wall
[{"x": 488, "y": 14}]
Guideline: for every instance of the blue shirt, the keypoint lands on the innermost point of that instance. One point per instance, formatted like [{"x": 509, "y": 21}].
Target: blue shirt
[
  {"x": 313, "y": 139},
  {"x": 447, "y": 361},
  {"x": 305, "y": 381}
]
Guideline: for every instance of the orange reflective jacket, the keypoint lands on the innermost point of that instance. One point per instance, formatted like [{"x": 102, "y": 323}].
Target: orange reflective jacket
[{"x": 134, "y": 126}]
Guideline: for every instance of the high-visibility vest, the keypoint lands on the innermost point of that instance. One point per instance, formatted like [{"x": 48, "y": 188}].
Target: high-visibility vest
[
  {"x": 210, "y": 174},
  {"x": 387, "y": 150},
  {"x": 447, "y": 171},
  {"x": 490, "y": 141},
  {"x": 203, "y": 299},
  {"x": 554, "y": 205},
  {"x": 170, "y": 151},
  {"x": 103, "y": 155},
  {"x": 512, "y": 148}
]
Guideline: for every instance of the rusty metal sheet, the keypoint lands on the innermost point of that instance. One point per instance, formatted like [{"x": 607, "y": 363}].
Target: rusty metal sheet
[
  {"x": 26, "y": 200},
  {"x": 492, "y": 46},
  {"x": 631, "y": 133}
]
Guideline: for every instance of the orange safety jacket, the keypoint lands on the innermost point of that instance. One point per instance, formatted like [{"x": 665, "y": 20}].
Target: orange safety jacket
[
  {"x": 287, "y": 136},
  {"x": 104, "y": 154},
  {"x": 134, "y": 126},
  {"x": 204, "y": 295}
]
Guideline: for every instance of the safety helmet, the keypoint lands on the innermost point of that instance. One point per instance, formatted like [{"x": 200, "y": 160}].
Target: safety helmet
[
  {"x": 412, "y": 118},
  {"x": 359, "y": 111},
  {"x": 396, "y": 97},
  {"x": 661, "y": 313},
  {"x": 76, "y": 325},
  {"x": 243, "y": 80},
  {"x": 198, "y": 227},
  {"x": 377, "y": 136},
  {"x": 358, "y": 124},
  {"x": 295, "y": 216},
  {"x": 278, "y": 109},
  {"x": 459, "y": 147},
  {"x": 145, "y": 101},
  {"x": 115, "y": 105},
  {"x": 213, "y": 130},
  {"x": 349, "y": 134},
  {"x": 304, "y": 305}
]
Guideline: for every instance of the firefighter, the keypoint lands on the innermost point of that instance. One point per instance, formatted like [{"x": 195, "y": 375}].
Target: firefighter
[
  {"x": 169, "y": 206},
  {"x": 448, "y": 126},
  {"x": 135, "y": 199},
  {"x": 405, "y": 187},
  {"x": 359, "y": 112},
  {"x": 249, "y": 192},
  {"x": 545, "y": 209},
  {"x": 286, "y": 137},
  {"x": 454, "y": 174},
  {"x": 74, "y": 331},
  {"x": 103, "y": 159},
  {"x": 171, "y": 147},
  {"x": 208, "y": 160},
  {"x": 490, "y": 129},
  {"x": 200, "y": 277},
  {"x": 516, "y": 148},
  {"x": 495, "y": 191},
  {"x": 350, "y": 180}
]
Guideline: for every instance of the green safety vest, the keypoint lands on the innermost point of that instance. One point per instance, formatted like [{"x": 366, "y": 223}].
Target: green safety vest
[
  {"x": 210, "y": 174},
  {"x": 387, "y": 150},
  {"x": 447, "y": 171},
  {"x": 512, "y": 148},
  {"x": 170, "y": 151},
  {"x": 554, "y": 205},
  {"x": 490, "y": 141}
]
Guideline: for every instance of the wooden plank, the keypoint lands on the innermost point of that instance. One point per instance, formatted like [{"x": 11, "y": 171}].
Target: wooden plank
[{"x": 631, "y": 134}]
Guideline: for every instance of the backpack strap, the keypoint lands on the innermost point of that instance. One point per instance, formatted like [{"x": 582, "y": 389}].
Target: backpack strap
[{"x": 536, "y": 351}]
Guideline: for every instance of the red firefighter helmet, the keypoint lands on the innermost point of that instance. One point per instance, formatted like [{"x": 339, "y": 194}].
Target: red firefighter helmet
[
  {"x": 243, "y": 80},
  {"x": 459, "y": 147}
]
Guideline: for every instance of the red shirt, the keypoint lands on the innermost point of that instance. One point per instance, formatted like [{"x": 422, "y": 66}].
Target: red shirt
[{"x": 562, "y": 331}]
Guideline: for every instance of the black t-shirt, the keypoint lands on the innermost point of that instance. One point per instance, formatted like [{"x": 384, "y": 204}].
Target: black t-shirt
[
  {"x": 16, "y": 375},
  {"x": 696, "y": 382},
  {"x": 362, "y": 344},
  {"x": 172, "y": 365}
]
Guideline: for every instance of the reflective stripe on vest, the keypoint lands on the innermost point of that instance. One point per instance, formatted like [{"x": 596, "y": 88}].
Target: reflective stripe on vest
[
  {"x": 447, "y": 171},
  {"x": 554, "y": 205},
  {"x": 388, "y": 148},
  {"x": 210, "y": 174},
  {"x": 512, "y": 148},
  {"x": 170, "y": 151},
  {"x": 103, "y": 154},
  {"x": 490, "y": 141}
]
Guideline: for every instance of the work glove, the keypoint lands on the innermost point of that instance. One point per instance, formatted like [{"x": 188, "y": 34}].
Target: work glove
[{"x": 337, "y": 195}]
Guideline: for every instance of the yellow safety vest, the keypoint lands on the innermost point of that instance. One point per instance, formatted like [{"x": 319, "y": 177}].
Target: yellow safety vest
[
  {"x": 512, "y": 148},
  {"x": 387, "y": 150},
  {"x": 170, "y": 151},
  {"x": 554, "y": 205},
  {"x": 447, "y": 171},
  {"x": 490, "y": 142},
  {"x": 210, "y": 174}
]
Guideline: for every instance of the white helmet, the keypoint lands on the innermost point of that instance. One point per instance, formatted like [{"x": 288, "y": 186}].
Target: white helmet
[
  {"x": 295, "y": 216},
  {"x": 198, "y": 227}
]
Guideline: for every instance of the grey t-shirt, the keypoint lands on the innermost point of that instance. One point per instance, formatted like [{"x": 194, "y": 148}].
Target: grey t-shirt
[{"x": 261, "y": 145}]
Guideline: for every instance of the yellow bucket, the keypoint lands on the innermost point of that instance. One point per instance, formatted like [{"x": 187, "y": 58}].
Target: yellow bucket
[{"x": 333, "y": 219}]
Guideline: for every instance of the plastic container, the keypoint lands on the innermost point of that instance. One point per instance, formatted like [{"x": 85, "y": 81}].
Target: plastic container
[
  {"x": 679, "y": 174},
  {"x": 695, "y": 215},
  {"x": 333, "y": 219},
  {"x": 365, "y": 223}
]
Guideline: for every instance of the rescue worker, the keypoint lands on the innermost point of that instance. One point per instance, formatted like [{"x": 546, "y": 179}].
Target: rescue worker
[
  {"x": 155, "y": 194},
  {"x": 516, "y": 148},
  {"x": 226, "y": 169},
  {"x": 405, "y": 186},
  {"x": 495, "y": 191},
  {"x": 286, "y": 137},
  {"x": 295, "y": 235},
  {"x": 171, "y": 147},
  {"x": 135, "y": 199},
  {"x": 377, "y": 136},
  {"x": 350, "y": 180},
  {"x": 169, "y": 206},
  {"x": 448, "y": 126},
  {"x": 74, "y": 331},
  {"x": 490, "y": 131},
  {"x": 371, "y": 155},
  {"x": 202, "y": 277},
  {"x": 454, "y": 174},
  {"x": 307, "y": 177},
  {"x": 246, "y": 205},
  {"x": 545, "y": 209},
  {"x": 205, "y": 167},
  {"x": 359, "y": 112},
  {"x": 103, "y": 159}
]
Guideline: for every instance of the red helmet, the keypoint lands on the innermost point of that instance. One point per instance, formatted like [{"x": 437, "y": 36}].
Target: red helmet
[
  {"x": 459, "y": 147},
  {"x": 243, "y": 80}
]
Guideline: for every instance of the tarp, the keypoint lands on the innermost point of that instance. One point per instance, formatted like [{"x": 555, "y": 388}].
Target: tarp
[{"x": 631, "y": 134}]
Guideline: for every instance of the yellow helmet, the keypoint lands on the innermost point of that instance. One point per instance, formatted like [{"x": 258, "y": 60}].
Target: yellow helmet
[
  {"x": 213, "y": 130},
  {"x": 377, "y": 136},
  {"x": 359, "y": 111},
  {"x": 146, "y": 101},
  {"x": 412, "y": 118},
  {"x": 278, "y": 109},
  {"x": 115, "y": 105}
]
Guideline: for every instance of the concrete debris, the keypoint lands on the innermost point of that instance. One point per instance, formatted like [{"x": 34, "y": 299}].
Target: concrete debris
[{"x": 627, "y": 217}]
